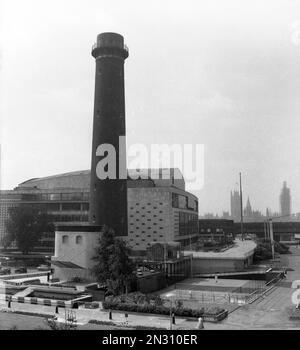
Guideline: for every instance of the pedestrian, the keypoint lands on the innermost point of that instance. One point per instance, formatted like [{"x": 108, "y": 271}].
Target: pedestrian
[
  {"x": 200, "y": 324},
  {"x": 173, "y": 318},
  {"x": 126, "y": 318},
  {"x": 56, "y": 309},
  {"x": 110, "y": 315},
  {"x": 9, "y": 303}
]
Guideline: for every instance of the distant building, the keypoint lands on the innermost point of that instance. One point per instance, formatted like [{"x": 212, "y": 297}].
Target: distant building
[
  {"x": 235, "y": 205},
  {"x": 283, "y": 231},
  {"x": 285, "y": 200},
  {"x": 217, "y": 230},
  {"x": 248, "y": 210}
]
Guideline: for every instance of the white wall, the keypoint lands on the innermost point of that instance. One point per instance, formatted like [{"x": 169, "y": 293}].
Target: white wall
[{"x": 79, "y": 254}]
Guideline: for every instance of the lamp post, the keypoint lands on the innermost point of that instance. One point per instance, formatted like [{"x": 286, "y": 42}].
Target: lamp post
[
  {"x": 272, "y": 238},
  {"x": 170, "y": 296}
]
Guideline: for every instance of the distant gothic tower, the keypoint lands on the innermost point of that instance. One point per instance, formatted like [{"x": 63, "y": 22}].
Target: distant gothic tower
[
  {"x": 248, "y": 209},
  {"x": 235, "y": 205},
  {"x": 285, "y": 200}
]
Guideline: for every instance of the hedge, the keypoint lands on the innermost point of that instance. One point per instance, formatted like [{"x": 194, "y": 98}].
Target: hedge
[{"x": 163, "y": 310}]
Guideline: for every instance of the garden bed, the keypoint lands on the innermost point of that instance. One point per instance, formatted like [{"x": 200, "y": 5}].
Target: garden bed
[{"x": 137, "y": 302}]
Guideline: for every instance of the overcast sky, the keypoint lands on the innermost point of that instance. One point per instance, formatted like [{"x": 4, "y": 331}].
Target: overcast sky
[{"x": 225, "y": 74}]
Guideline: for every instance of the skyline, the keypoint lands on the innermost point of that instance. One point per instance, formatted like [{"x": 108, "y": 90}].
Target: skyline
[{"x": 235, "y": 91}]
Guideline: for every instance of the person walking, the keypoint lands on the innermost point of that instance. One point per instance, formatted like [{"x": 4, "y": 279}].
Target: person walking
[
  {"x": 173, "y": 318},
  {"x": 200, "y": 324}
]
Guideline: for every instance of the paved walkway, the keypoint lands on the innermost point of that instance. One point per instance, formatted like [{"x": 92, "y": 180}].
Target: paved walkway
[
  {"x": 84, "y": 315},
  {"x": 270, "y": 312}
]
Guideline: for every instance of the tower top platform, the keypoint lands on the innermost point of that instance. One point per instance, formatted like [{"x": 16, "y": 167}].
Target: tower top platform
[{"x": 110, "y": 44}]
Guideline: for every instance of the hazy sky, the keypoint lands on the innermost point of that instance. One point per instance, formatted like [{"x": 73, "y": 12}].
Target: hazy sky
[{"x": 225, "y": 74}]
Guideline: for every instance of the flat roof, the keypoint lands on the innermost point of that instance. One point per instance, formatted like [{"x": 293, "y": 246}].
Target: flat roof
[
  {"x": 211, "y": 282},
  {"x": 240, "y": 250}
]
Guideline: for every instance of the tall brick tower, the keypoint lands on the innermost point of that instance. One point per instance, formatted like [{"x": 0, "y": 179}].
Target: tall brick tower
[{"x": 108, "y": 197}]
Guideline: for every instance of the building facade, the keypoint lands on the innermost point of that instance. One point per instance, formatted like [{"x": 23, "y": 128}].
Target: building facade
[
  {"x": 64, "y": 197},
  {"x": 159, "y": 208},
  {"x": 216, "y": 230},
  {"x": 282, "y": 231}
]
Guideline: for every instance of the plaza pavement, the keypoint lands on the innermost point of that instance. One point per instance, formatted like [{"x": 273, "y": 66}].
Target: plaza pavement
[
  {"x": 84, "y": 315},
  {"x": 269, "y": 312}
]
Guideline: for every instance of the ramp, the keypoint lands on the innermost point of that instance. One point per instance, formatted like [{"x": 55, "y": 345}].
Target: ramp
[{"x": 24, "y": 293}]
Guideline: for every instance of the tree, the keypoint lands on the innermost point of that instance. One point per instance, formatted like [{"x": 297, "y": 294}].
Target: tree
[
  {"x": 6, "y": 241},
  {"x": 25, "y": 225},
  {"x": 113, "y": 265}
]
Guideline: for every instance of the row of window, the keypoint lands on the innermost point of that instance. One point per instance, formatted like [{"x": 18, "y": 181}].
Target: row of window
[
  {"x": 69, "y": 218},
  {"x": 65, "y": 239},
  {"x": 67, "y": 206},
  {"x": 183, "y": 202},
  {"x": 188, "y": 223},
  {"x": 73, "y": 196}
]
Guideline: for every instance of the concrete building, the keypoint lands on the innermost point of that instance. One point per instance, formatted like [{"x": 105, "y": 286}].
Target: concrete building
[
  {"x": 65, "y": 197},
  {"x": 158, "y": 211},
  {"x": 161, "y": 213},
  {"x": 74, "y": 250},
  {"x": 169, "y": 258},
  {"x": 237, "y": 258},
  {"x": 159, "y": 208}
]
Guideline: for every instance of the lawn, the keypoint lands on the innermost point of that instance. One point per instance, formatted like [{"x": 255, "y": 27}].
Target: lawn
[{"x": 21, "y": 322}]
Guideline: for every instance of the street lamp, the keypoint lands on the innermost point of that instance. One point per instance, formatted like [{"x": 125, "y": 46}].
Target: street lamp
[{"x": 170, "y": 297}]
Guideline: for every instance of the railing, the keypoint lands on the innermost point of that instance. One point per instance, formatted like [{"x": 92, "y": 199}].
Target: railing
[{"x": 125, "y": 47}]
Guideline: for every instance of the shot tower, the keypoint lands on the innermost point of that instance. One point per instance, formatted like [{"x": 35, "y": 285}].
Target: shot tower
[{"x": 108, "y": 196}]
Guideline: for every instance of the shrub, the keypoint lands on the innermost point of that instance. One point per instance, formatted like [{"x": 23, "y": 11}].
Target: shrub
[
  {"x": 76, "y": 279},
  {"x": 139, "y": 302},
  {"x": 213, "y": 310},
  {"x": 158, "y": 301},
  {"x": 178, "y": 304}
]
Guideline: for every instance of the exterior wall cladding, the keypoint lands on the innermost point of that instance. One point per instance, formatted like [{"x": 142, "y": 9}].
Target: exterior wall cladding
[
  {"x": 158, "y": 210},
  {"x": 153, "y": 217}
]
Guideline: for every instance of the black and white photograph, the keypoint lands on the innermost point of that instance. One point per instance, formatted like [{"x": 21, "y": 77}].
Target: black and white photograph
[{"x": 149, "y": 168}]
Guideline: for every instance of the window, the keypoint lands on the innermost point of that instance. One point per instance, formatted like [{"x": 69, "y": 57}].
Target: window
[
  {"x": 85, "y": 206},
  {"x": 65, "y": 239},
  {"x": 175, "y": 200},
  {"x": 71, "y": 206},
  {"x": 53, "y": 207},
  {"x": 75, "y": 196},
  {"x": 78, "y": 239},
  {"x": 54, "y": 197}
]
